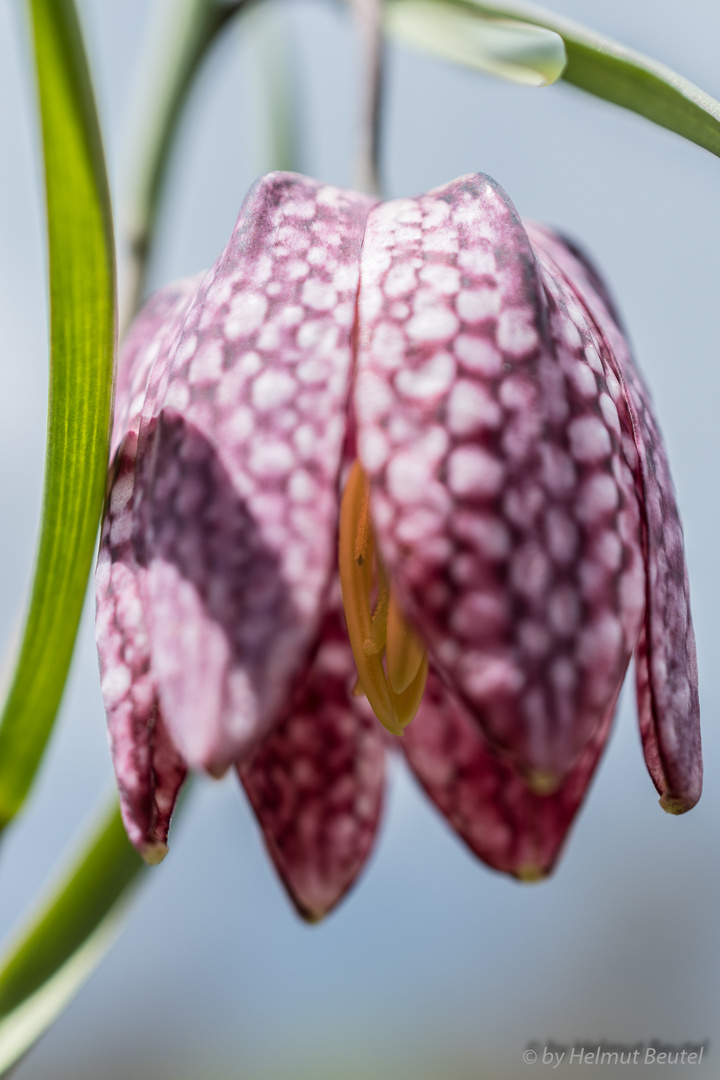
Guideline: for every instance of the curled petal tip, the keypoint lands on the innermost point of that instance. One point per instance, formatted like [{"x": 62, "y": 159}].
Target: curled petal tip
[
  {"x": 531, "y": 874},
  {"x": 543, "y": 783},
  {"x": 308, "y": 915},
  {"x": 316, "y": 782},
  {"x": 154, "y": 853},
  {"x": 485, "y": 799},
  {"x": 677, "y": 805}
]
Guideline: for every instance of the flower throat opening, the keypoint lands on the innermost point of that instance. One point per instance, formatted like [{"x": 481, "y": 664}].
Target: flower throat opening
[{"x": 391, "y": 659}]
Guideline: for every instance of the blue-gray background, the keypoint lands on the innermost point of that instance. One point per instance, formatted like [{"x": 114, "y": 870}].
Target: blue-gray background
[{"x": 433, "y": 967}]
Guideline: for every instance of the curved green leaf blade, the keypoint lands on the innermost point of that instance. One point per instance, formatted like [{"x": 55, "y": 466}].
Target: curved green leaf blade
[
  {"x": 519, "y": 52},
  {"x": 67, "y": 938},
  {"x": 609, "y": 70},
  {"x": 82, "y": 345}
]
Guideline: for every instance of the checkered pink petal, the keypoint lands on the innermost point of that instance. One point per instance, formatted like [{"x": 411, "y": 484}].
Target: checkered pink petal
[
  {"x": 665, "y": 658},
  {"x": 484, "y": 799},
  {"x": 148, "y": 768},
  {"x": 316, "y": 782},
  {"x": 520, "y": 495},
  {"x": 153, "y": 334},
  {"x": 243, "y": 492},
  {"x": 502, "y": 499}
]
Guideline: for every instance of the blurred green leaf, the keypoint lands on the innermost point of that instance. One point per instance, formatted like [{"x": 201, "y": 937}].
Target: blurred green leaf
[
  {"x": 276, "y": 78},
  {"x": 82, "y": 345},
  {"x": 516, "y": 51},
  {"x": 181, "y": 35},
  {"x": 66, "y": 939},
  {"x": 609, "y": 70}
]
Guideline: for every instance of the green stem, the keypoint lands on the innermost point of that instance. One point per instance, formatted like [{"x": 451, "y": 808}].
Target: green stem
[
  {"x": 369, "y": 22},
  {"x": 62, "y": 943}
]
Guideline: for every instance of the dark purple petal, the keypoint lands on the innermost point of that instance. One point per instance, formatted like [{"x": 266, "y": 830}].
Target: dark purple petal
[
  {"x": 483, "y": 798},
  {"x": 665, "y": 658},
  {"x": 241, "y": 490},
  {"x": 148, "y": 768},
  {"x": 503, "y": 503},
  {"x": 316, "y": 782}
]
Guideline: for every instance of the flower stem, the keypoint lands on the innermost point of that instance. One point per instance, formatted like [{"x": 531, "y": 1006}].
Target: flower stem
[{"x": 368, "y": 18}]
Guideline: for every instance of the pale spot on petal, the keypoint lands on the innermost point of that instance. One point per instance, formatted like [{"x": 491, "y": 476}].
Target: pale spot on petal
[
  {"x": 487, "y": 535},
  {"x": 593, "y": 359},
  {"x": 564, "y": 610},
  {"x": 319, "y": 295},
  {"x": 583, "y": 379},
  {"x": 207, "y": 364},
  {"x": 432, "y": 324},
  {"x": 271, "y": 459},
  {"x": 478, "y": 354},
  {"x": 471, "y": 408},
  {"x": 121, "y": 493},
  {"x": 610, "y": 413},
  {"x": 408, "y": 476},
  {"x": 388, "y": 346},
  {"x": 374, "y": 449},
  {"x": 115, "y": 684},
  {"x": 597, "y": 497},
  {"x": 247, "y": 312},
  {"x": 477, "y": 305},
  {"x": 400, "y": 281},
  {"x": 431, "y": 379},
  {"x": 562, "y": 536},
  {"x": 516, "y": 335},
  {"x": 472, "y": 471},
  {"x": 444, "y": 279},
  {"x": 485, "y": 678},
  {"x": 530, "y": 571},
  {"x": 589, "y": 439},
  {"x": 272, "y": 389}
]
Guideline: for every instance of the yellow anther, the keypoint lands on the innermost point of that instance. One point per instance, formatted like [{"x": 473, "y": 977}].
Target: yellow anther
[
  {"x": 363, "y": 525},
  {"x": 408, "y": 702},
  {"x": 394, "y": 697},
  {"x": 356, "y": 581},
  {"x": 404, "y": 649},
  {"x": 379, "y": 624}
]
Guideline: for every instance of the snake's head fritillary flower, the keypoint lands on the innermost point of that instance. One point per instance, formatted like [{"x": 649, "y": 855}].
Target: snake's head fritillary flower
[{"x": 392, "y": 459}]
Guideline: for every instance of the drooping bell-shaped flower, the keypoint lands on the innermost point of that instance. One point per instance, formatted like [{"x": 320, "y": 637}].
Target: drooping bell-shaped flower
[{"x": 429, "y": 407}]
